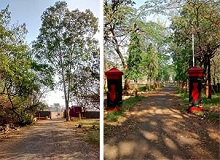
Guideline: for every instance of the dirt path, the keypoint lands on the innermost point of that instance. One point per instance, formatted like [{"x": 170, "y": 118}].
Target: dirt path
[
  {"x": 156, "y": 129},
  {"x": 48, "y": 139}
]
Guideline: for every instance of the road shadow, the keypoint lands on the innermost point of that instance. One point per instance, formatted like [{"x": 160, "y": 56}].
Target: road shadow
[{"x": 156, "y": 128}]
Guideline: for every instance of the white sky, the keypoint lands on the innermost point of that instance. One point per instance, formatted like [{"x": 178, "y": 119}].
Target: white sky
[{"x": 30, "y": 11}]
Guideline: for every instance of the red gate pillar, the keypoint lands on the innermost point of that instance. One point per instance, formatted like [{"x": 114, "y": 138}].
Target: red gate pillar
[
  {"x": 114, "y": 94},
  {"x": 195, "y": 87}
]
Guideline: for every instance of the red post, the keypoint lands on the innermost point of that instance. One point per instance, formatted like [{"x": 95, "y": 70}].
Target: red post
[
  {"x": 114, "y": 94},
  {"x": 195, "y": 86}
]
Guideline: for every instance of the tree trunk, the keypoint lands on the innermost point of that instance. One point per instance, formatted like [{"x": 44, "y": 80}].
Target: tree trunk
[
  {"x": 214, "y": 73},
  {"x": 135, "y": 88},
  {"x": 64, "y": 86},
  {"x": 66, "y": 104},
  {"x": 117, "y": 49},
  {"x": 65, "y": 96},
  {"x": 209, "y": 79}
]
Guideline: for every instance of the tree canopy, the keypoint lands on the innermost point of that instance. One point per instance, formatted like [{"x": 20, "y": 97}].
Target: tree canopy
[
  {"x": 66, "y": 42},
  {"x": 20, "y": 80}
]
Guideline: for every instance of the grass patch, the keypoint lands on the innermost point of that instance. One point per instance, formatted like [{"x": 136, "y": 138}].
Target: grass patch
[
  {"x": 93, "y": 137},
  {"x": 212, "y": 106},
  {"x": 113, "y": 116},
  {"x": 144, "y": 88},
  {"x": 214, "y": 101},
  {"x": 92, "y": 134},
  {"x": 89, "y": 122},
  {"x": 183, "y": 95}
]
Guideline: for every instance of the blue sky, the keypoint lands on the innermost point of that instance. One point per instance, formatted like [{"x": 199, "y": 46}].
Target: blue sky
[
  {"x": 30, "y": 11},
  {"x": 139, "y": 3}
]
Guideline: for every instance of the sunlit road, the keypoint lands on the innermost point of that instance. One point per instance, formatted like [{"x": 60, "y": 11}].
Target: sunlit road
[
  {"x": 48, "y": 139},
  {"x": 157, "y": 129}
]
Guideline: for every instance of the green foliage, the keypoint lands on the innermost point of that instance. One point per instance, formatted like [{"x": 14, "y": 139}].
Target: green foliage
[
  {"x": 150, "y": 64},
  {"x": 134, "y": 57},
  {"x": 117, "y": 27},
  {"x": 215, "y": 68},
  {"x": 120, "y": 16},
  {"x": 143, "y": 88},
  {"x": 66, "y": 43},
  {"x": 93, "y": 137},
  {"x": 201, "y": 19},
  {"x": 155, "y": 57},
  {"x": 20, "y": 82}
]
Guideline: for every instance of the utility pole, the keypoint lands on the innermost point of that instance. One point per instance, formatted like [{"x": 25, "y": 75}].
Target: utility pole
[{"x": 193, "y": 49}]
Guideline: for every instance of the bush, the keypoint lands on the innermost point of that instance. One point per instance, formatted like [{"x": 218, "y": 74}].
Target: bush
[
  {"x": 26, "y": 119},
  {"x": 143, "y": 88}
]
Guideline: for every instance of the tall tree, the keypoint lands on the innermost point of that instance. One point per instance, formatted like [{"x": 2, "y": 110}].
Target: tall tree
[
  {"x": 134, "y": 58},
  {"x": 63, "y": 40},
  {"x": 117, "y": 27},
  {"x": 150, "y": 63}
]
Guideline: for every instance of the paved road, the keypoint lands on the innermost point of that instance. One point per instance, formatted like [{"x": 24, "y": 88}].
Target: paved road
[
  {"x": 47, "y": 140},
  {"x": 156, "y": 129}
]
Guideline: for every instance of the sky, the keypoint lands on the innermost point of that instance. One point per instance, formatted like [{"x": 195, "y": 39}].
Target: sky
[
  {"x": 139, "y": 3},
  {"x": 30, "y": 11},
  {"x": 155, "y": 17}
]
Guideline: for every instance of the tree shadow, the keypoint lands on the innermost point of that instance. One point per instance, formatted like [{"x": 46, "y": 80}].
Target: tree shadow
[{"x": 157, "y": 129}]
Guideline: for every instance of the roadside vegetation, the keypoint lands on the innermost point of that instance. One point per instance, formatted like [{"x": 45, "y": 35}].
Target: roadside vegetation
[
  {"x": 89, "y": 127},
  {"x": 127, "y": 104},
  {"x": 211, "y": 106}
]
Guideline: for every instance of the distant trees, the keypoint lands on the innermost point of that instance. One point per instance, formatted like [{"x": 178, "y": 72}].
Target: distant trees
[
  {"x": 215, "y": 68},
  {"x": 150, "y": 63}
]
